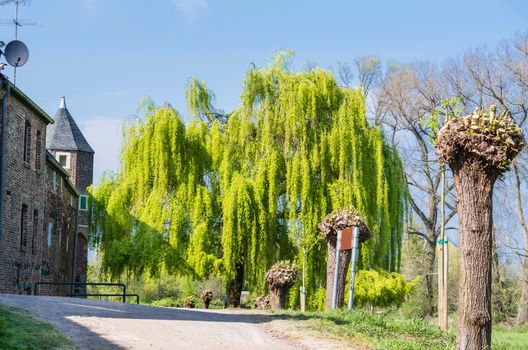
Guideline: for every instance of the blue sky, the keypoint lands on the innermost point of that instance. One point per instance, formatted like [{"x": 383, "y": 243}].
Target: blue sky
[{"x": 104, "y": 55}]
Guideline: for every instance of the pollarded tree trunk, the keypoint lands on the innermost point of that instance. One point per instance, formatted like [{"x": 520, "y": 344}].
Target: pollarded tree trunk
[
  {"x": 474, "y": 187},
  {"x": 278, "y": 297},
  {"x": 478, "y": 148},
  {"x": 329, "y": 227},
  {"x": 330, "y": 273}
]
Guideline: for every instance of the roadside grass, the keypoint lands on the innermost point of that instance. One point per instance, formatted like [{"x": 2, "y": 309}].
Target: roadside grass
[
  {"x": 510, "y": 338},
  {"x": 19, "y": 330},
  {"x": 393, "y": 332}
]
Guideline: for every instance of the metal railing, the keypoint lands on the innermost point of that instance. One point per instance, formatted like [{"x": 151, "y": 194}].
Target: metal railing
[
  {"x": 124, "y": 295},
  {"x": 103, "y": 295}
]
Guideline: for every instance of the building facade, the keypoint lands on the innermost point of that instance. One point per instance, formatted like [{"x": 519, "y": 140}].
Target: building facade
[
  {"x": 40, "y": 205},
  {"x": 68, "y": 145}
]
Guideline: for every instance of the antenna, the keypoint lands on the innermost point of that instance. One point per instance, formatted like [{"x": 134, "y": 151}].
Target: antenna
[{"x": 16, "y": 52}]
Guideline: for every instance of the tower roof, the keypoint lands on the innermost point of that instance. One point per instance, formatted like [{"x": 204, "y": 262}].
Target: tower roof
[{"x": 65, "y": 135}]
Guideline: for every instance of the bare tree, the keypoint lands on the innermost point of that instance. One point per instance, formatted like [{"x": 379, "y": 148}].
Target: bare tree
[
  {"x": 369, "y": 69},
  {"x": 345, "y": 73},
  {"x": 410, "y": 95}
]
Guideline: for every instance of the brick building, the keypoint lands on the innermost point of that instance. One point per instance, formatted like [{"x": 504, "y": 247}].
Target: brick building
[
  {"x": 67, "y": 144},
  {"x": 41, "y": 210}
]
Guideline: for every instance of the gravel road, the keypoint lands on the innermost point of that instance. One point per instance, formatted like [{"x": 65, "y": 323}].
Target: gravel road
[{"x": 105, "y": 325}]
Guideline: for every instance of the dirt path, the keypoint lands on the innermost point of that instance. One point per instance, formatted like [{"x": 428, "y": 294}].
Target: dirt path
[{"x": 106, "y": 325}]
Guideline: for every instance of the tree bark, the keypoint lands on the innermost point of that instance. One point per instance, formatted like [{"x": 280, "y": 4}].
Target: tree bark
[
  {"x": 234, "y": 288},
  {"x": 474, "y": 187},
  {"x": 429, "y": 265},
  {"x": 278, "y": 297},
  {"x": 342, "y": 273},
  {"x": 522, "y": 311}
]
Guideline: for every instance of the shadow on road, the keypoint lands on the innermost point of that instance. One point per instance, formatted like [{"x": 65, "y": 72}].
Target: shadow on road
[{"x": 62, "y": 313}]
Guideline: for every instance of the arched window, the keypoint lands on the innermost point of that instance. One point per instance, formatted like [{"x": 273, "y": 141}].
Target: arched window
[
  {"x": 23, "y": 227},
  {"x": 34, "y": 236},
  {"x": 38, "y": 150}
]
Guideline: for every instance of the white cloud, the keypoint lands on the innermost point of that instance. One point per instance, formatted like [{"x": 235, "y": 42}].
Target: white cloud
[
  {"x": 191, "y": 8},
  {"x": 104, "y": 135}
]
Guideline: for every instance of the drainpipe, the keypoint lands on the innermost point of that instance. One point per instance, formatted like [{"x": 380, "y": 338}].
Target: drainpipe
[
  {"x": 7, "y": 87},
  {"x": 74, "y": 258}
]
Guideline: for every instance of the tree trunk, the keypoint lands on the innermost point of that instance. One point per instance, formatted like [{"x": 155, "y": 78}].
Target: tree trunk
[
  {"x": 430, "y": 273},
  {"x": 234, "y": 288},
  {"x": 474, "y": 187},
  {"x": 278, "y": 297},
  {"x": 330, "y": 271},
  {"x": 522, "y": 313}
]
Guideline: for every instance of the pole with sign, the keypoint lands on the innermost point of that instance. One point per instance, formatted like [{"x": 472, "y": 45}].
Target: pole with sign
[
  {"x": 344, "y": 242},
  {"x": 355, "y": 254}
]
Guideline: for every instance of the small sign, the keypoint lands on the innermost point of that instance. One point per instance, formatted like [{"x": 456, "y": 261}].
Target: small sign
[{"x": 346, "y": 239}]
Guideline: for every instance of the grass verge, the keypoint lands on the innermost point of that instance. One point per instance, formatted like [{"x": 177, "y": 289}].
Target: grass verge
[
  {"x": 392, "y": 332},
  {"x": 19, "y": 330}
]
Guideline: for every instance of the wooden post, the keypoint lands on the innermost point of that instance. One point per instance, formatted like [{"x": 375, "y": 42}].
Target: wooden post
[
  {"x": 303, "y": 289},
  {"x": 443, "y": 263},
  {"x": 355, "y": 253}
]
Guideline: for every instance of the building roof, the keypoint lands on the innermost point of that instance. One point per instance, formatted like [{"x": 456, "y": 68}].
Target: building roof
[
  {"x": 17, "y": 92},
  {"x": 64, "y": 134}
]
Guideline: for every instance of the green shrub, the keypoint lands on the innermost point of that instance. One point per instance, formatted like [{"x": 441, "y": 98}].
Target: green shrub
[
  {"x": 216, "y": 304},
  {"x": 318, "y": 300},
  {"x": 168, "y": 302},
  {"x": 381, "y": 289}
]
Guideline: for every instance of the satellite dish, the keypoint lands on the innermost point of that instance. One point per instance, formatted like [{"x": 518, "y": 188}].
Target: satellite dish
[{"x": 16, "y": 53}]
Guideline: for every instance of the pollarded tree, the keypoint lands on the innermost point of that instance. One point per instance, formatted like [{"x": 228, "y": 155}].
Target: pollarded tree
[
  {"x": 478, "y": 148},
  {"x": 333, "y": 222},
  {"x": 280, "y": 278}
]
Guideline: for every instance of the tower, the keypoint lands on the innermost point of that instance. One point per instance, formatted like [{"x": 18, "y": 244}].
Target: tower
[{"x": 67, "y": 144}]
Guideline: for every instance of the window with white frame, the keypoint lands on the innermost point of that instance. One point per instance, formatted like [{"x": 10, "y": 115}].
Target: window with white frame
[
  {"x": 83, "y": 202},
  {"x": 63, "y": 159}
]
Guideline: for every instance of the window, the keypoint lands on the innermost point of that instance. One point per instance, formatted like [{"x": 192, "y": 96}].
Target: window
[
  {"x": 83, "y": 202},
  {"x": 27, "y": 141},
  {"x": 54, "y": 181},
  {"x": 34, "y": 236},
  {"x": 23, "y": 227},
  {"x": 50, "y": 231},
  {"x": 38, "y": 150},
  {"x": 67, "y": 244},
  {"x": 63, "y": 159}
]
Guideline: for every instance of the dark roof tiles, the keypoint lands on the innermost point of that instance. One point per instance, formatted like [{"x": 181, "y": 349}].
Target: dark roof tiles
[{"x": 64, "y": 134}]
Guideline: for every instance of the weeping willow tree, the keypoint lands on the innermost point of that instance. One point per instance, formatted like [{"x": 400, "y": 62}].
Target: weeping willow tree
[{"x": 233, "y": 195}]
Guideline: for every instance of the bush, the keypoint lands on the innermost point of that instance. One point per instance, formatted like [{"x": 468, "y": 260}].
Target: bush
[
  {"x": 216, "y": 304},
  {"x": 167, "y": 302},
  {"x": 381, "y": 289},
  {"x": 317, "y": 302}
]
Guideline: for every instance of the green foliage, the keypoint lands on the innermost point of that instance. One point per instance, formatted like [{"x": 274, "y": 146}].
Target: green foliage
[
  {"x": 317, "y": 302},
  {"x": 432, "y": 123},
  {"x": 204, "y": 198},
  {"x": 381, "y": 289}
]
